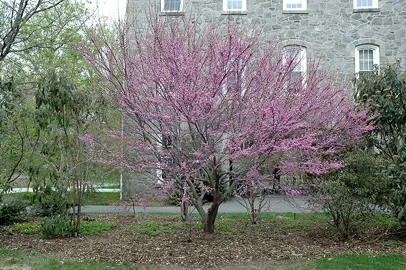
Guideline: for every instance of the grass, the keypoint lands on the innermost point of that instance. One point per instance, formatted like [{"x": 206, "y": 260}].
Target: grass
[
  {"x": 109, "y": 186},
  {"x": 101, "y": 198},
  {"x": 14, "y": 259},
  {"x": 90, "y": 198},
  {"x": 27, "y": 196},
  {"x": 367, "y": 262}
]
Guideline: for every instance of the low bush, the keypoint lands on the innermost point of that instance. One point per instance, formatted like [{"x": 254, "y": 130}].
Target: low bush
[
  {"x": 350, "y": 194},
  {"x": 12, "y": 210},
  {"x": 56, "y": 226},
  {"x": 49, "y": 202}
]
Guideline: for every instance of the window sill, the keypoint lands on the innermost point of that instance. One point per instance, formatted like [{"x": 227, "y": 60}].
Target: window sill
[
  {"x": 359, "y": 10},
  {"x": 172, "y": 13},
  {"x": 234, "y": 12},
  {"x": 295, "y": 11}
]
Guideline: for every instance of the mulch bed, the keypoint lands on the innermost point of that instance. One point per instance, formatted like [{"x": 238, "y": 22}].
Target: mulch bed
[{"x": 262, "y": 244}]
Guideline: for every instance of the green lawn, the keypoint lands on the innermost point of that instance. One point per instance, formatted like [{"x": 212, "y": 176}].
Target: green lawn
[
  {"x": 14, "y": 259},
  {"x": 361, "y": 262},
  {"x": 101, "y": 198},
  {"x": 91, "y": 198}
]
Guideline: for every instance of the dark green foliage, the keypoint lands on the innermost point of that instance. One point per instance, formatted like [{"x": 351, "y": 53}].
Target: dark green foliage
[
  {"x": 12, "y": 210},
  {"x": 49, "y": 202},
  {"x": 349, "y": 193},
  {"x": 383, "y": 95},
  {"x": 56, "y": 226}
]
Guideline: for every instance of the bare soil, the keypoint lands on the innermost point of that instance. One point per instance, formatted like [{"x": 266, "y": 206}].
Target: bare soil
[{"x": 244, "y": 246}]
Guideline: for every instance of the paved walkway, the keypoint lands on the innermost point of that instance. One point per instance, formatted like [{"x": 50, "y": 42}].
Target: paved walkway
[
  {"x": 274, "y": 203},
  {"x": 96, "y": 189}
]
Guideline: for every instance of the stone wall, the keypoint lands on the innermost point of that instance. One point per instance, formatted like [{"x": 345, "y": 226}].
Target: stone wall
[{"x": 329, "y": 29}]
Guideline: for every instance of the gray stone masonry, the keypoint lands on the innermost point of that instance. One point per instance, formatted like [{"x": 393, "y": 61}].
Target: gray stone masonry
[{"x": 329, "y": 29}]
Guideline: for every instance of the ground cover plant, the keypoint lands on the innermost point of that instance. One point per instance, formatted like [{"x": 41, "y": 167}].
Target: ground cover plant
[
  {"x": 58, "y": 230},
  {"x": 279, "y": 241}
]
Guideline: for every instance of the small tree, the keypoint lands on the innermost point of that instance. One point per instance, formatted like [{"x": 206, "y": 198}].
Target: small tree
[
  {"x": 383, "y": 94},
  {"x": 252, "y": 196},
  {"x": 208, "y": 108},
  {"x": 65, "y": 116}
]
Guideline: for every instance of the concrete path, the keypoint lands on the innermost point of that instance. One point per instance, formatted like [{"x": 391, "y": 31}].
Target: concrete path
[
  {"x": 96, "y": 189},
  {"x": 274, "y": 203}
]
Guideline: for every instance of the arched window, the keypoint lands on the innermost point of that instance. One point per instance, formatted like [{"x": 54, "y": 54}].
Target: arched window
[
  {"x": 296, "y": 55},
  {"x": 366, "y": 57}
]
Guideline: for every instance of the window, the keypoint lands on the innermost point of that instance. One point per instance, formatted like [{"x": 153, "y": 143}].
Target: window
[
  {"x": 365, "y": 3},
  {"x": 366, "y": 57},
  {"x": 171, "y": 5},
  {"x": 164, "y": 146},
  {"x": 234, "y": 75},
  {"x": 296, "y": 55},
  {"x": 294, "y": 4},
  {"x": 234, "y": 5}
]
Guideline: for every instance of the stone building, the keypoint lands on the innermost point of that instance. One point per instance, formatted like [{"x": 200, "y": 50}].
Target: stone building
[{"x": 346, "y": 37}]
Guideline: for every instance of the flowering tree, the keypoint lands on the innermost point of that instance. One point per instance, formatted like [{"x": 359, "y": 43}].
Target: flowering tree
[{"x": 209, "y": 109}]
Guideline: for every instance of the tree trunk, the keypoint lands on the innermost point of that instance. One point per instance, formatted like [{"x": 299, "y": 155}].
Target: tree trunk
[
  {"x": 211, "y": 218},
  {"x": 184, "y": 210}
]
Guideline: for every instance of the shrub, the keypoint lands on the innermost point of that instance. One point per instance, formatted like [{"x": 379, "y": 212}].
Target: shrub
[
  {"x": 382, "y": 95},
  {"x": 49, "y": 202},
  {"x": 350, "y": 193},
  {"x": 56, "y": 226},
  {"x": 12, "y": 210}
]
